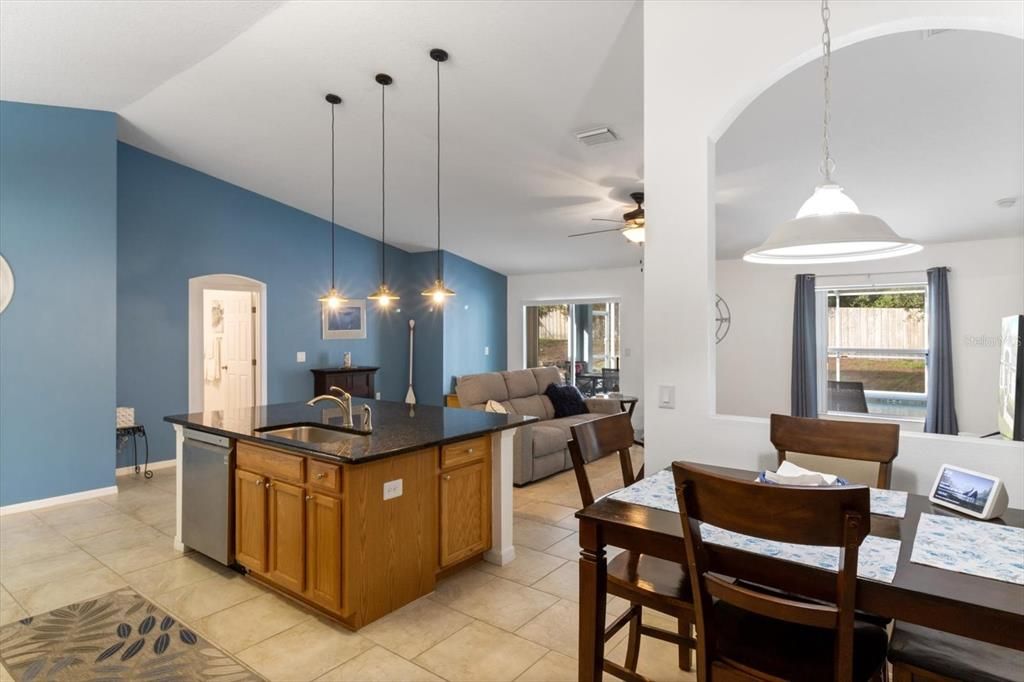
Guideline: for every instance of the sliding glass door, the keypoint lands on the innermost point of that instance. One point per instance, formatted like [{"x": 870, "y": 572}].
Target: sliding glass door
[{"x": 580, "y": 339}]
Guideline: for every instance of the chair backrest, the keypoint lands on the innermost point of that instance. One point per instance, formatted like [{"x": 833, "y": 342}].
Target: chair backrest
[
  {"x": 835, "y": 517},
  {"x": 878, "y": 443},
  {"x": 610, "y": 379},
  {"x": 847, "y": 396},
  {"x": 597, "y": 438}
]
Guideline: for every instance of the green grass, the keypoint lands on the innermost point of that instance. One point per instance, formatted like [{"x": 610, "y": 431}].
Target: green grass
[{"x": 897, "y": 374}]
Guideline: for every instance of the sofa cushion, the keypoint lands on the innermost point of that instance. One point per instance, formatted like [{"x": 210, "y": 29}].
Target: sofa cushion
[
  {"x": 548, "y": 439},
  {"x": 566, "y": 399},
  {"x": 546, "y": 376},
  {"x": 531, "y": 406},
  {"x": 548, "y": 464},
  {"x": 520, "y": 383},
  {"x": 477, "y": 389}
]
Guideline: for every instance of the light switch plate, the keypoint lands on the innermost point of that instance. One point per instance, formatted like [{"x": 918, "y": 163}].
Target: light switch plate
[
  {"x": 393, "y": 489},
  {"x": 487, "y": 350},
  {"x": 300, "y": 356},
  {"x": 667, "y": 397}
]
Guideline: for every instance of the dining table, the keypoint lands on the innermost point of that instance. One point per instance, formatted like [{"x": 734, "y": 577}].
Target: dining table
[{"x": 978, "y": 608}]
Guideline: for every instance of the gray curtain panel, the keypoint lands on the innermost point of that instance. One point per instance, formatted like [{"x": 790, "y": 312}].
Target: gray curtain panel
[
  {"x": 804, "y": 383},
  {"x": 941, "y": 414}
]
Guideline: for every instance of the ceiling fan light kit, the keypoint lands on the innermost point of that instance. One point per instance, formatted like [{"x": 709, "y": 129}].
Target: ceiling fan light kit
[
  {"x": 633, "y": 222},
  {"x": 829, "y": 227}
]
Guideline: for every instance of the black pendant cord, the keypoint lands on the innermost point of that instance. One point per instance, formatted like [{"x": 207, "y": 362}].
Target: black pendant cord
[
  {"x": 440, "y": 272},
  {"x": 383, "y": 190},
  {"x": 332, "y": 197}
]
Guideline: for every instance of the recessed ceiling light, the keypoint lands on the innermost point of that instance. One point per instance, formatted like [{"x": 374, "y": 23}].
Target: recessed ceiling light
[
  {"x": 1006, "y": 202},
  {"x": 596, "y": 136}
]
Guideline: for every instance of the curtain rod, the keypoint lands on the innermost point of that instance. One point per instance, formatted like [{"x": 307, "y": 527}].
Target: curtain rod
[{"x": 876, "y": 274}]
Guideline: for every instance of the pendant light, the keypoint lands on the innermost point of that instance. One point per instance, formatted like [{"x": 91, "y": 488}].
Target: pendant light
[
  {"x": 439, "y": 292},
  {"x": 383, "y": 295},
  {"x": 829, "y": 228},
  {"x": 332, "y": 298}
]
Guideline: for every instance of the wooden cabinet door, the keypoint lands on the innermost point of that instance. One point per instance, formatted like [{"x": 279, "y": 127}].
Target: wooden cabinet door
[
  {"x": 287, "y": 535},
  {"x": 251, "y": 520},
  {"x": 465, "y": 512},
  {"x": 323, "y": 550}
]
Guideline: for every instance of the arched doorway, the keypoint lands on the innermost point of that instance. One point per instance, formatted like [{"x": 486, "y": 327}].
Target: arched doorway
[{"x": 227, "y": 342}]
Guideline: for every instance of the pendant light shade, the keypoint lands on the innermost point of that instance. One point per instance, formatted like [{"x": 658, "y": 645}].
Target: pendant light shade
[
  {"x": 829, "y": 228},
  {"x": 383, "y": 295},
  {"x": 439, "y": 292},
  {"x": 333, "y": 297}
]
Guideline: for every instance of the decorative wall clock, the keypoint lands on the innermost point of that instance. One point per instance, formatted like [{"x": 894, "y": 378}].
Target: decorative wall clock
[
  {"x": 6, "y": 284},
  {"x": 723, "y": 318}
]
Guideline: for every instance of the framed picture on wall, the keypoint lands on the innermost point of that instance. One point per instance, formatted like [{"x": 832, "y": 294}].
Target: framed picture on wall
[{"x": 348, "y": 321}]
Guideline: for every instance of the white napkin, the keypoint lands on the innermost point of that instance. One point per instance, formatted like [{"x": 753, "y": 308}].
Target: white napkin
[{"x": 791, "y": 474}]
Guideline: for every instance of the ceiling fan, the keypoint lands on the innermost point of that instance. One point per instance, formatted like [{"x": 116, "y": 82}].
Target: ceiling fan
[{"x": 632, "y": 223}]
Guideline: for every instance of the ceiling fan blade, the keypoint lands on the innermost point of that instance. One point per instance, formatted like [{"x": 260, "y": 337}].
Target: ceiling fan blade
[
  {"x": 585, "y": 234},
  {"x": 608, "y": 220}
]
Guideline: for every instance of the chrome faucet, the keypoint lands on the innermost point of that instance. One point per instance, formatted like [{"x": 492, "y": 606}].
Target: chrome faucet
[
  {"x": 367, "y": 418},
  {"x": 345, "y": 403}
]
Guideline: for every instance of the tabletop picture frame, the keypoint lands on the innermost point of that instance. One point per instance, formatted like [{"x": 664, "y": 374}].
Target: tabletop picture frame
[{"x": 347, "y": 321}]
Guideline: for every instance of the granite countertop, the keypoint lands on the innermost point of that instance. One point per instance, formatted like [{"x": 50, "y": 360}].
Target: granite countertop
[{"x": 397, "y": 427}]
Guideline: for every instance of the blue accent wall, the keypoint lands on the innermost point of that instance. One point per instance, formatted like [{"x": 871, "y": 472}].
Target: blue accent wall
[
  {"x": 176, "y": 223},
  {"x": 474, "y": 320},
  {"x": 58, "y": 232}
]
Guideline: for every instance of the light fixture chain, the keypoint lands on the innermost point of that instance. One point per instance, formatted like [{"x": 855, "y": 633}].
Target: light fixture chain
[{"x": 828, "y": 164}]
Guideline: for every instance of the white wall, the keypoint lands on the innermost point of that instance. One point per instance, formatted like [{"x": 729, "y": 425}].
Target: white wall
[
  {"x": 704, "y": 62},
  {"x": 986, "y": 283},
  {"x": 626, "y": 285}
]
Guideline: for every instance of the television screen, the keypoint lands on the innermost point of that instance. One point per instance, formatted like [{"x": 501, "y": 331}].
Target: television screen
[
  {"x": 963, "y": 489},
  {"x": 1011, "y": 379}
]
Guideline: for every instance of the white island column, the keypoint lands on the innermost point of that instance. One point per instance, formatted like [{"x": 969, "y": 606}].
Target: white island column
[
  {"x": 502, "y": 550},
  {"x": 179, "y": 445}
]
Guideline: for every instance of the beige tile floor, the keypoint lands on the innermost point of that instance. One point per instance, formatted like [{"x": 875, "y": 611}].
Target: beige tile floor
[{"x": 514, "y": 622}]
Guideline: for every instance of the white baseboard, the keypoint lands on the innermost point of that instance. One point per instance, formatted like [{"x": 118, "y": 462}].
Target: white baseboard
[
  {"x": 53, "y": 501},
  {"x": 130, "y": 469}
]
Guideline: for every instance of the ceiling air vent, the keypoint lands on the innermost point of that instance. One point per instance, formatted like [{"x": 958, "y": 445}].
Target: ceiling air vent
[{"x": 596, "y": 136}]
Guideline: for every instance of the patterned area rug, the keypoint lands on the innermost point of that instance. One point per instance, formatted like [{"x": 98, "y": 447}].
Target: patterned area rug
[{"x": 119, "y": 636}]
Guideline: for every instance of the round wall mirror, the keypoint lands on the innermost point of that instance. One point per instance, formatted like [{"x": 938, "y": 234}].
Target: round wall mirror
[{"x": 6, "y": 284}]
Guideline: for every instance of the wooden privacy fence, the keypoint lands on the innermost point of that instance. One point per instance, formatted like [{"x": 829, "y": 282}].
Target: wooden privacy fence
[{"x": 877, "y": 328}]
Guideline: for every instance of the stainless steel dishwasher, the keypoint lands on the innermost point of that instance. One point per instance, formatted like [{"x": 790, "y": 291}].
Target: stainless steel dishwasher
[{"x": 206, "y": 495}]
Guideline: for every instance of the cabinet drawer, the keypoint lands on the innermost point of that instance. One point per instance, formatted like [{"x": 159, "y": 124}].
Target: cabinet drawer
[
  {"x": 464, "y": 452},
  {"x": 277, "y": 465},
  {"x": 324, "y": 476}
]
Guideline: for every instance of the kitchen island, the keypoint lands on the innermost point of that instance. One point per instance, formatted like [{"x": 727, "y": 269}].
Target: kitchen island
[{"x": 355, "y": 524}]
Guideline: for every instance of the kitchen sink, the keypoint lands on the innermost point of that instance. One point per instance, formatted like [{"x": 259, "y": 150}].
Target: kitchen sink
[{"x": 309, "y": 433}]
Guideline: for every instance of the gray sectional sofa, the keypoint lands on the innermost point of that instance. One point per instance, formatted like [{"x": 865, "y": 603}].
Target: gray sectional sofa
[{"x": 540, "y": 448}]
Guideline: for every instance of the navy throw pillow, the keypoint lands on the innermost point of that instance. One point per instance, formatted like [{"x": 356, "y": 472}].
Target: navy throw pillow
[{"x": 567, "y": 400}]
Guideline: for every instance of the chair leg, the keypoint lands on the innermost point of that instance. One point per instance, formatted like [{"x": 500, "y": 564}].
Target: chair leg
[
  {"x": 633, "y": 647},
  {"x": 685, "y": 651}
]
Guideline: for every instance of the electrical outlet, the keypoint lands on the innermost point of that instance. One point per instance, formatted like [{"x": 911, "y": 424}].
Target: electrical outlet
[
  {"x": 667, "y": 397},
  {"x": 393, "y": 489},
  {"x": 627, "y": 352},
  {"x": 300, "y": 356},
  {"x": 377, "y": 395}
]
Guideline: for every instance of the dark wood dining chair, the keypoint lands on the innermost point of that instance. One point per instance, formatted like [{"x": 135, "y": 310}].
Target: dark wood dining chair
[
  {"x": 643, "y": 581},
  {"x": 748, "y": 634},
  {"x": 920, "y": 654},
  {"x": 861, "y": 441}
]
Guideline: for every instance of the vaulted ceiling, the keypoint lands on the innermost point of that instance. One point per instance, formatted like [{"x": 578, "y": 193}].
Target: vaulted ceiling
[{"x": 235, "y": 89}]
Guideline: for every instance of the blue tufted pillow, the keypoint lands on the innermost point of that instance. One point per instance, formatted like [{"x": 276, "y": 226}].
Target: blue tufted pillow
[{"x": 567, "y": 400}]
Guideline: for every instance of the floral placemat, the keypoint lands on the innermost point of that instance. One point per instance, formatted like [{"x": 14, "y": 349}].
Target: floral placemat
[
  {"x": 118, "y": 636},
  {"x": 988, "y": 550},
  {"x": 659, "y": 491}
]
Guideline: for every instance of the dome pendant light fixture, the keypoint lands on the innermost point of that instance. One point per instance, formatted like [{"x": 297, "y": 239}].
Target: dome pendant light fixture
[
  {"x": 829, "y": 228},
  {"x": 383, "y": 295},
  {"x": 439, "y": 292},
  {"x": 332, "y": 298}
]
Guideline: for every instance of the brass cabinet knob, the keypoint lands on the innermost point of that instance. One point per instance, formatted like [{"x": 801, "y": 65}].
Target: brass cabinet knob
[
  {"x": 321, "y": 476},
  {"x": 259, "y": 481},
  {"x": 308, "y": 498},
  {"x": 471, "y": 451},
  {"x": 447, "y": 477},
  {"x": 270, "y": 484}
]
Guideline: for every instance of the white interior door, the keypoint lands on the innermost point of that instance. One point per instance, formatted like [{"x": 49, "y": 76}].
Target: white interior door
[{"x": 237, "y": 352}]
